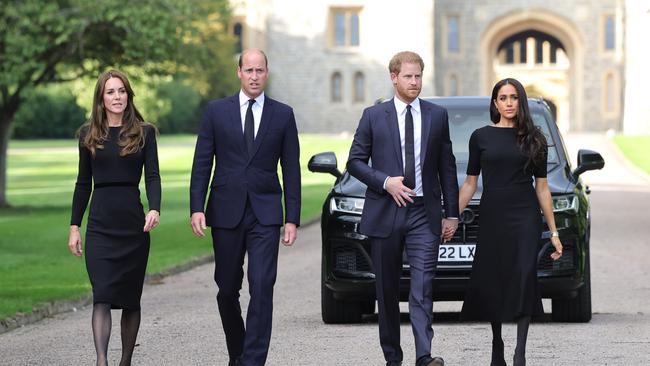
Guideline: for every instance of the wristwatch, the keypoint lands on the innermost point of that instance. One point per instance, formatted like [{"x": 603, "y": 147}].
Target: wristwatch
[{"x": 555, "y": 234}]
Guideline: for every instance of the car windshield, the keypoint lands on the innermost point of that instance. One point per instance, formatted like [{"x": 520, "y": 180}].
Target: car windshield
[{"x": 463, "y": 120}]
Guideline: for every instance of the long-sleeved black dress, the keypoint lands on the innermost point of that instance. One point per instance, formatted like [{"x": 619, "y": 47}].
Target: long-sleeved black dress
[
  {"x": 504, "y": 285},
  {"x": 117, "y": 249}
]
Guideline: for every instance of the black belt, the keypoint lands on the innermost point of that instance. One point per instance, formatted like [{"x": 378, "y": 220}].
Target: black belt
[{"x": 115, "y": 184}]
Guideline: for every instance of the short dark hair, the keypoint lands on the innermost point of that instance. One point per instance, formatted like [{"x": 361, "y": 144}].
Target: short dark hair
[
  {"x": 395, "y": 64},
  {"x": 241, "y": 56}
]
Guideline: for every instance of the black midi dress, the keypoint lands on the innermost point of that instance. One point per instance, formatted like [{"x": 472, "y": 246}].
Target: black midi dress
[
  {"x": 503, "y": 284},
  {"x": 117, "y": 249}
]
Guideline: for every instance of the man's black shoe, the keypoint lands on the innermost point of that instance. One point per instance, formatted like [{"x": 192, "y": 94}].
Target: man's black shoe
[{"x": 430, "y": 361}]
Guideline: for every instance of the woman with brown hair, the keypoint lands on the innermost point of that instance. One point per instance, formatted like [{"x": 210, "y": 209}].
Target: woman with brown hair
[
  {"x": 508, "y": 154},
  {"x": 114, "y": 146}
]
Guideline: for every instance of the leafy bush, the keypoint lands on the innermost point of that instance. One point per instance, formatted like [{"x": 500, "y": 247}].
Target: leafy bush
[
  {"x": 48, "y": 114},
  {"x": 183, "y": 108}
]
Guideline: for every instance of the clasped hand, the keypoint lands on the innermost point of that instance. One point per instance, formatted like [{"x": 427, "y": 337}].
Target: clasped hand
[
  {"x": 400, "y": 193},
  {"x": 449, "y": 227}
]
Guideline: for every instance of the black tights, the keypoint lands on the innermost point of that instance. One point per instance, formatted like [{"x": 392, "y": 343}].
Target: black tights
[
  {"x": 101, "y": 322},
  {"x": 520, "y": 351}
]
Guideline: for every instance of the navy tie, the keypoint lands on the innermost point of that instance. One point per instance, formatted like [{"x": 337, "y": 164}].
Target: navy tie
[
  {"x": 409, "y": 147},
  {"x": 249, "y": 128}
]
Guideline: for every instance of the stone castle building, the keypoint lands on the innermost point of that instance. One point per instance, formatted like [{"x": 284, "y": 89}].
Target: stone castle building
[{"x": 328, "y": 59}]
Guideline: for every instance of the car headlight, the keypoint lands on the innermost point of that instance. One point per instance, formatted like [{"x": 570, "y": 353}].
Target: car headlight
[
  {"x": 565, "y": 204},
  {"x": 347, "y": 205}
]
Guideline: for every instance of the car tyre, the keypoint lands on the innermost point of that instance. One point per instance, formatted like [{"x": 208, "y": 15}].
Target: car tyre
[{"x": 578, "y": 309}]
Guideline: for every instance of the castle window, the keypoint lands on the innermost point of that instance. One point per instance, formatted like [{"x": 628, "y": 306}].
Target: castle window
[
  {"x": 354, "y": 29},
  {"x": 344, "y": 27},
  {"x": 237, "y": 28},
  {"x": 453, "y": 34},
  {"x": 238, "y": 31},
  {"x": 609, "y": 33}
]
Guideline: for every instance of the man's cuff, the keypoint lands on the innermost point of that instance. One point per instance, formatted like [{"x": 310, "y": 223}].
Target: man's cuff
[
  {"x": 385, "y": 181},
  {"x": 451, "y": 218}
]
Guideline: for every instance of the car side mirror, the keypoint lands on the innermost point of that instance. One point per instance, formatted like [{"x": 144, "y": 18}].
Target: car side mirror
[
  {"x": 324, "y": 162},
  {"x": 588, "y": 160}
]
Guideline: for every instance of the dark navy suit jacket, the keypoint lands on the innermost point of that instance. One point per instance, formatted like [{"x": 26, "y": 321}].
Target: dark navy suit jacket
[
  {"x": 377, "y": 139},
  {"x": 236, "y": 175}
]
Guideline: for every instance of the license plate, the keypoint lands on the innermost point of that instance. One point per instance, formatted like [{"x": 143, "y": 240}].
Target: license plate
[{"x": 456, "y": 252}]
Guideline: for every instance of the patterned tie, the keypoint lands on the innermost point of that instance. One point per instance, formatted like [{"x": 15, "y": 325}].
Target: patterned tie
[
  {"x": 249, "y": 128},
  {"x": 409, "y": 153}
]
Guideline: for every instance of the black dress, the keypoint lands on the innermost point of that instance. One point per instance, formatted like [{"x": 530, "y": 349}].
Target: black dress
[
  {"x": 503, "y": 284},
  {"x": 116, "y": 247}
]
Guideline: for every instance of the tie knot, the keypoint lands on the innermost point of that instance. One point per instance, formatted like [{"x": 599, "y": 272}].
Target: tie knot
[
  {"x": 408, "y": 107},
  {"x": 251, "y": 102}
]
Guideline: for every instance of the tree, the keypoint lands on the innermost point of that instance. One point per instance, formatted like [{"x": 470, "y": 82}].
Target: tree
[{"x": 47, "y": 42}]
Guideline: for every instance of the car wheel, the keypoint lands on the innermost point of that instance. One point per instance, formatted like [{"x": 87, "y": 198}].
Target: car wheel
[{"x": 578, "y": 309}]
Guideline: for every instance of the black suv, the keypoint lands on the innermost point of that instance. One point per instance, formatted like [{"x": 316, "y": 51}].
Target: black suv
[{"x": 347, "y": 278}]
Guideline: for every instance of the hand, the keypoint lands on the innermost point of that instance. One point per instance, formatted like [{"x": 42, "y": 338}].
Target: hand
[
  {"x": 399, "y": 191},
  {"x": 290, "y": 234},
  {"x": 558, "y": 248},
  {"x": 74, "y": 241},
  {"x": 198, "y": 224},
  {"x": 449, "y": 227},
  {"x": 151, "y": 221}
]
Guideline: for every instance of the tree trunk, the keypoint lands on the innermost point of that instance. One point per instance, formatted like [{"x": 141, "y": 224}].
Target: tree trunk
[
  {"x": 8, "y": 108},
  {"x": 5, "y": 123}
]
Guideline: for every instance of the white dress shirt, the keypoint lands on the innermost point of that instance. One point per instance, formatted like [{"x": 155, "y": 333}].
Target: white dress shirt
[
  {"x": 400, "y": 107},
  {"x": 256, "y": 109}
]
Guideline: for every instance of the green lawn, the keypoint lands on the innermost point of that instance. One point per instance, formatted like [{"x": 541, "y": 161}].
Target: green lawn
[
  {"x": 636, "y": 149},
  {"x": 35, "y": 265}
]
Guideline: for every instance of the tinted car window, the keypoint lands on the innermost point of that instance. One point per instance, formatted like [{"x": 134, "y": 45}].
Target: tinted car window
[{"x": 463, "y": 121}]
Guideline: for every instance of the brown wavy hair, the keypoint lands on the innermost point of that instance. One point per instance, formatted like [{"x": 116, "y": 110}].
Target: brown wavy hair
[
  {"x": 95, "y": 131},
  {"x": 530, "y": 139}
]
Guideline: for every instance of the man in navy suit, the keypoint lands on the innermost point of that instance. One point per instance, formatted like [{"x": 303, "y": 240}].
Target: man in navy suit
[
  {"x": 245, "y": 136},
  {"x": 407, "y": 140}
]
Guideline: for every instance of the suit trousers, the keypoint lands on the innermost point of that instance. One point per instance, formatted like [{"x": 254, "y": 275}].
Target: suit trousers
[
  {"x": 249, "y": 344},
  {"x": 411, "y": 232}
]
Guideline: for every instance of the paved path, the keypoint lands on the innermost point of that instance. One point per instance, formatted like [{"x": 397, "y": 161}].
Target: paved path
[{"x": 180, "y": 324}]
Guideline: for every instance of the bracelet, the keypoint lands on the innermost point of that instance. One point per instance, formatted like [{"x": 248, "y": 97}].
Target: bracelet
[{"x": 555, "y": 234}]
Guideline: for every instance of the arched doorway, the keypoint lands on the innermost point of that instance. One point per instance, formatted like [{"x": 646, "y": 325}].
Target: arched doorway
[
  {"x": 539, "y": 61},
  {"x": 544, "y": 51}
]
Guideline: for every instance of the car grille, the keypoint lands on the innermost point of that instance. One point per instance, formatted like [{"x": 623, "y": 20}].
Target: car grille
[
  {"x": 566, "y": 262},
  {"x": 349, "y": 257}
]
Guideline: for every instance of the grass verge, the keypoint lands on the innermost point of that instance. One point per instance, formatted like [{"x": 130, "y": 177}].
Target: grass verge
[
  {"x": 35, "y": 265},
  {"x": 636, "y": 149}
]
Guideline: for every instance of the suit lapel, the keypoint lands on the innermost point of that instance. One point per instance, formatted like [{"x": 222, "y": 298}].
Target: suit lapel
[
  {"x": 391, "y": 120},
  {"x": 265, "y": 122},
  {"x": 426, "y": 130},
  {"x": 236, "y": 123}
]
